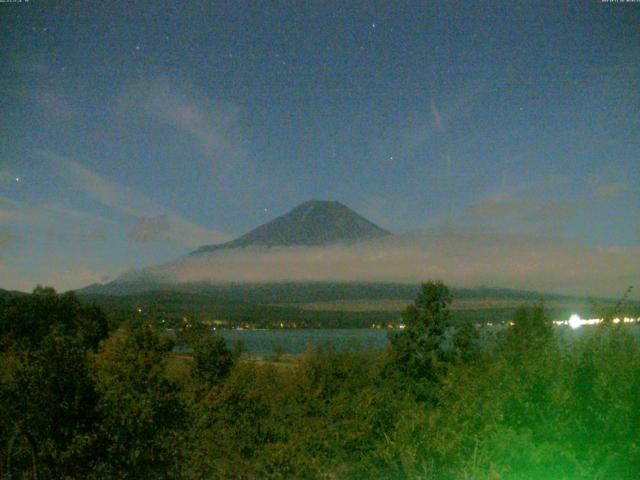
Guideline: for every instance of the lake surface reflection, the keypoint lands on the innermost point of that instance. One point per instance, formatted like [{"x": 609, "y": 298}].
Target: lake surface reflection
[{"x": 296, "y": 341}]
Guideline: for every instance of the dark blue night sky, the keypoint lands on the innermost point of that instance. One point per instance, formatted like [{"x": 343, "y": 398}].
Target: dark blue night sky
[{"x": 132, "y": 132}]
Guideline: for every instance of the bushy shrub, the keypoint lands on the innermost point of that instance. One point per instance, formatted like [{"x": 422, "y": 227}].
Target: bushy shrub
[
  {"x": 438, "y": 403},
  {"x": 141, "y": 416}
]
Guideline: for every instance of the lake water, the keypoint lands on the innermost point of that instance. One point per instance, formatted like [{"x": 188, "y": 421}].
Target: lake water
[{"x": 296, "y": 341}]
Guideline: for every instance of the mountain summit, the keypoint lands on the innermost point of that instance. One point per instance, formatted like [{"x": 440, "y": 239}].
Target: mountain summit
[{"x": 311, "y": 223}]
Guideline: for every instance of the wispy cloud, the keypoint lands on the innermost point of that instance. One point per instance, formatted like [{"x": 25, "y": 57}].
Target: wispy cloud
[
  {"x": 7, "y": 176},
  {"x": 12, "y": 211},
  {"x": 610, "y": 190},
  {"x": 520, "y": 213},
  {"x": 44, "y": 215},
  {"x": 8, "y": 211},
  {"x": 151, "y": 228},
  {"x": 7, "y": 239},
  {"x": 65, "y": 235},
  {"x": 97, "y": 187},
  {"x": 211, "y": 124},
  {"x": 52, "y": 102},
  {"x": 499, "y": 205},
  {"x": 43, "y": 86},
  {"x": 541, "y": 205},
  {"x": 73, "y": 213},
  {"x": 131, "y": 203},
  {"x": 211, "y": 127},
  {"x": 437, "y": 118}
]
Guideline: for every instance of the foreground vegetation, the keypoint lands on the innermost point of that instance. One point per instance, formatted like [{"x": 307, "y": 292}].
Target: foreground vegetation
[{"x": 443, "y": 401}]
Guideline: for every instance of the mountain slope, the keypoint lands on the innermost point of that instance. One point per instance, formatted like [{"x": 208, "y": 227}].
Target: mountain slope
[{"x": 311, "y": 223}]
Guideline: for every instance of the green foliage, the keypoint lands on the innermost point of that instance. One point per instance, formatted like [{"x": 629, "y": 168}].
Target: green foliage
[
  {"x": 327, "y": 417},
  {"x": 605, "y": 381},
  {"x": 442, "y": 402},
  {"x": 212, "y": 360},
  {"x": 531, "y": 408},
  {"x": 46, "y": 388},
  {"x": 531, "y": 328},
  {"x": 420, "y": 349},
  {"x": 48, "y": 393},
  {"x": 191, "y": 332},
  {"x": 236, "y": 422},
  {"x": 28, "y": 319},
  {"x": 141, "y": 415}
]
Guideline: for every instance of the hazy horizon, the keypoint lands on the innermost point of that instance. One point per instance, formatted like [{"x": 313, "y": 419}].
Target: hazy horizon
[{"x": 134, "y": 133}]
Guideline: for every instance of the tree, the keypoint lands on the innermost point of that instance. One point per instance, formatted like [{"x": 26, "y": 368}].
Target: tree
[
  {"x": 28, "y": 319},
  {"x": 531, "y": 329},
  {"x": 46, "y": 389},
  {"x": 420, "y": 350},
  {"x": 191, "y": 332},
  {"x": 212, "y": 360},
  {"x": 49, "y": 394},
  {"x": 142, "y": 416}
]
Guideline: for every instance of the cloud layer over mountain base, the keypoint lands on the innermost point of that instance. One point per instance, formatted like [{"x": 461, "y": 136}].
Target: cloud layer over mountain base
[{"x": 460, "y": 259}]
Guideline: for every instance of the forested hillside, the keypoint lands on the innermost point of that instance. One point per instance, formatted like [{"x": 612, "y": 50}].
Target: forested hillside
[
  {"x": 328, "y": 305},
  {"x": 444, "y": 400}
]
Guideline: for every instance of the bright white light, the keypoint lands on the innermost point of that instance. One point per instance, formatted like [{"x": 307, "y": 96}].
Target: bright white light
[{"x": 575, "y": 321}]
